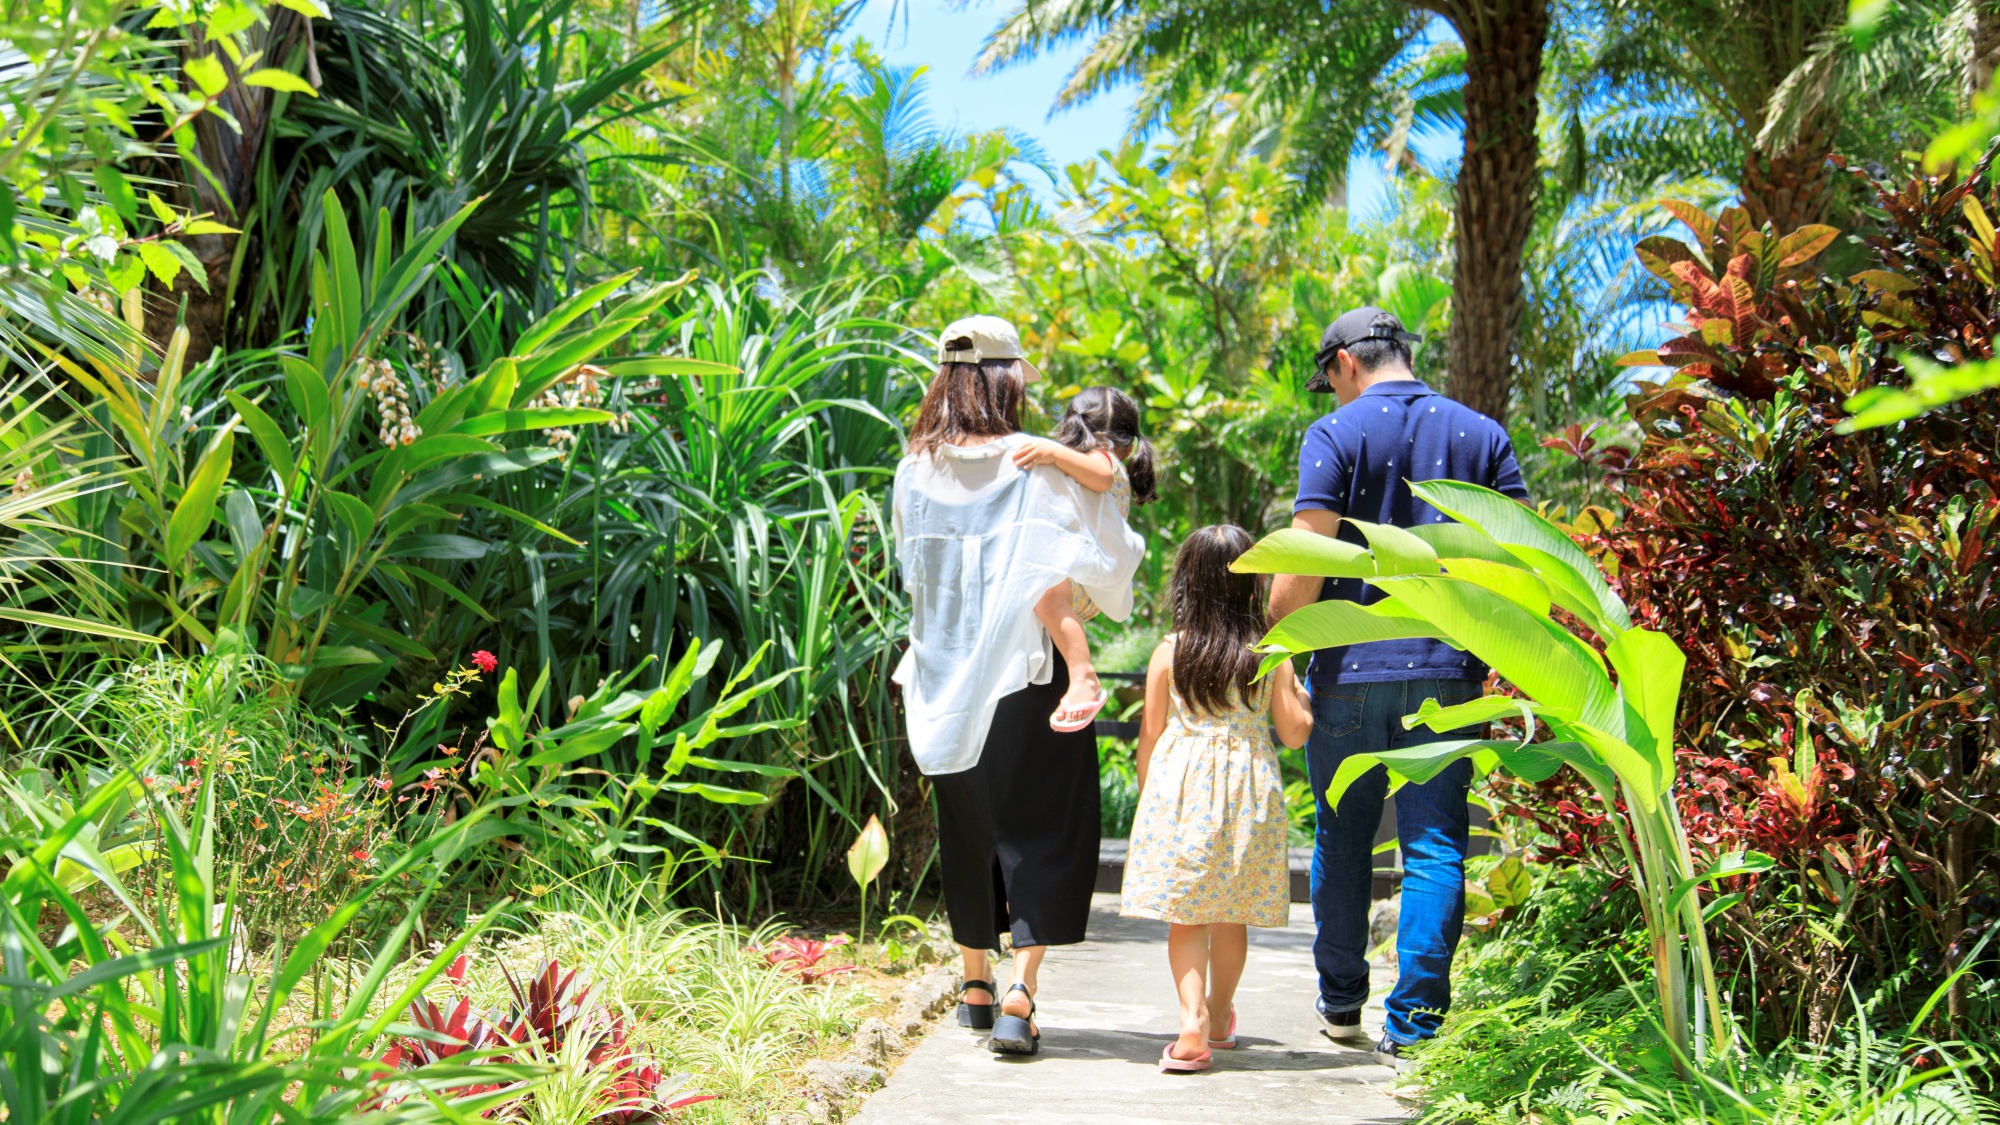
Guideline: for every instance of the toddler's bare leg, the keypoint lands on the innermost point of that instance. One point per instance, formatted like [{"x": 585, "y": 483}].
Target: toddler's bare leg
[{"x": 1058, "y": 616}]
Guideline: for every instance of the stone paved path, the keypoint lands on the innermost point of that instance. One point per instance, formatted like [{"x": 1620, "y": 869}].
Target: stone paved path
[{"x": 1109, "y": 1009}]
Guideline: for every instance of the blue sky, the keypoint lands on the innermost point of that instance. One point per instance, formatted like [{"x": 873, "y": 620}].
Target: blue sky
[{"x": 930, "y": 33}]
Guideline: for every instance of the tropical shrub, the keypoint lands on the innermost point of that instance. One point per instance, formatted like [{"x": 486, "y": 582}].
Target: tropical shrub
[
  {"x": 1833, "y": 593},
  {"x": 301, "y": 827},
  {"x": 349, "y": 490},
  {"x": 550, "y": 790},
  {"x": 417, "y": 117},
  {"x": 171, "y": 1021}
]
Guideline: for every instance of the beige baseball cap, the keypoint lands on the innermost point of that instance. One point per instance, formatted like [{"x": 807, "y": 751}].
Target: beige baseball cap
[{"x": 984, "y": 337}]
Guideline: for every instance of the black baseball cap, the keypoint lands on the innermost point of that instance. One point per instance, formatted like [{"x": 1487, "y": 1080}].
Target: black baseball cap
[{"x": 1349, "y": 329}]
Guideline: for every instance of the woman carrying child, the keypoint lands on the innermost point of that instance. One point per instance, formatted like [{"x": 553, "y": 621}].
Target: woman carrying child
[
  {"x": 986, "y": 537},
  {"x": 1208, "y": 841}
]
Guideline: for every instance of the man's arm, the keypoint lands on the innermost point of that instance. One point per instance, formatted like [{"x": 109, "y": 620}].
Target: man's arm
[{"x": 1296, "y": 591}]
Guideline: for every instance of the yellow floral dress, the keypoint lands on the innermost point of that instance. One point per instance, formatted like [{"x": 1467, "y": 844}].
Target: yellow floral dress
[
  {"x": 1121, "y": 492},
  {"x": 1208, "y": 842}
]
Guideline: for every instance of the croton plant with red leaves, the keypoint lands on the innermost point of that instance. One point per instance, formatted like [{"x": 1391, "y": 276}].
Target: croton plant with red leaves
[{"x": 1835, "y": 594}]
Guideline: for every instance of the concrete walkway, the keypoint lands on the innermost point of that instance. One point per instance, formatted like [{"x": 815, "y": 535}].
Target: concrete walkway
[{"x": 1109, "y": 1009}]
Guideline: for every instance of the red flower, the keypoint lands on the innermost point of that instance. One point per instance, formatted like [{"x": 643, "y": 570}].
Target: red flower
[
  {"x": 360, "y": 855},
  {"x": 485, "y": 661}
]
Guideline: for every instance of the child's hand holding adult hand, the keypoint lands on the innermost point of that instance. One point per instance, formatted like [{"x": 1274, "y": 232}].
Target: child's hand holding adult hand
[{"x": 1036, "y": 451}]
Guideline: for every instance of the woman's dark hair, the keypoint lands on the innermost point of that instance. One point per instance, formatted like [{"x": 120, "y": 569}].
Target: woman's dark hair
[
  {"x": 1218, "y": 615},
  {"x": 968, "y": 400},
  {"x": 1107, "y": 418}
]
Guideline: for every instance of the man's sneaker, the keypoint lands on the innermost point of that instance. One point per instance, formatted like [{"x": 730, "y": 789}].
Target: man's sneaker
[
  {"x": 1341, "y": 1027},
  {"x": 1389, "y": 1053}
]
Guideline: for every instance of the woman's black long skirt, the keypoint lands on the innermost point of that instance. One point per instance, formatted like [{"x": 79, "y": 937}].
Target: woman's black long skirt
[{"x": 1018, "y": 833}]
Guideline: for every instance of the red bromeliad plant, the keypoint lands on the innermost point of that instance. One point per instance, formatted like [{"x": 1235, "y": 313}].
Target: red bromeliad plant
[
  {"x": 801, "y": 957},
  {"x": 550, "y": 1015},
  {"x": 1834, "y": 594}
]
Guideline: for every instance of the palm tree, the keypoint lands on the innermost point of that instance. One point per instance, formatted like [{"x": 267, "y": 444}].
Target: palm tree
[
  {"x": 1777, "y": 86},
  {"x": 1328, "y": 71}
]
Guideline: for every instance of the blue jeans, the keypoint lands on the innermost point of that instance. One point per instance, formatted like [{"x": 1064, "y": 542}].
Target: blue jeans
[{"x": 1432, "y": 826}]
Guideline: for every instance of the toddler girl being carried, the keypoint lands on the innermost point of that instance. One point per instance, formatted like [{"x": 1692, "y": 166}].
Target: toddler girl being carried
[{"x": 1098, "y": 444}]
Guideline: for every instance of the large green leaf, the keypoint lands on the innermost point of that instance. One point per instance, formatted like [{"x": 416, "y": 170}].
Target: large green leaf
[
  {"x": 531, "y": 418},
  {"x": 1418, "y": 764},
  {"x": 655, "y": 366},
  {"x": 1505, "y": 636},
  {"x": 1485, "y": 709},
  {"x": 345, "y": 309},
  {"x": 271, "y": 440},
  {"x": 307, "y": 388},
  {"x": 558, "y": 751},
  {"x": 1640, "y": 773},
  {"x": 196, "y": 508},
  {"x": 408, "y": 273},
  {"x": 355, "y": 515},
  {"x": 1457, "y": 541},
  {"x": 1559, "y": 560},
  {"x": 1295, "y": 550},
  {"x": 576, "y": 305},
  {"x": 1650, "y": 666},
  {"x": 1522, "y": 587},
  {"x": 1396, "y": 551},
  {"x": 1332, "y": 624}
]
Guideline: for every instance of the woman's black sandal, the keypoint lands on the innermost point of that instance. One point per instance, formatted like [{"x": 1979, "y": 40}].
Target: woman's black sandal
[
  {"x": 1013, "y": 1035},
  {"x": 976, "y": 1016}
]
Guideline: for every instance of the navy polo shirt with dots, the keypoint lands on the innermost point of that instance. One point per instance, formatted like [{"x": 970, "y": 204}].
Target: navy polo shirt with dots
[{"x": 1359, "y": 461}]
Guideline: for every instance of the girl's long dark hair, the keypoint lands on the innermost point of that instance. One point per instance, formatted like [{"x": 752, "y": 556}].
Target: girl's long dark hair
[
  {"x": 1218, "y": 615},
  {"x": 968, "y": 400},
  {"x": 1108, "y": 418}
]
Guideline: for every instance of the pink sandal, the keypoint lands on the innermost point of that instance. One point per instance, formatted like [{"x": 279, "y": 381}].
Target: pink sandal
[
  {"x": 1089, "y": 714},
  {"x": 1172, "y": 1065},
  {"x": 1228, "y": 1042}
]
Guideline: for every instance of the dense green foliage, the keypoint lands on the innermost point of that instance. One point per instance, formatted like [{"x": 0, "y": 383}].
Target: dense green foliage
[{"x": 446, "y": 450}]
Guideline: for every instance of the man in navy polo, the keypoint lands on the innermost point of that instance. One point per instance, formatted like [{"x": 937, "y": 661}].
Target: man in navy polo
[{"x": 1359, "y": 461}]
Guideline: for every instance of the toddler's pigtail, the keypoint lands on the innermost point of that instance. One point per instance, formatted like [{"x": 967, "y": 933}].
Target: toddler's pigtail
[
  {"x": 1142, "y": 469},
  {"x": 1075, "y": 431}
]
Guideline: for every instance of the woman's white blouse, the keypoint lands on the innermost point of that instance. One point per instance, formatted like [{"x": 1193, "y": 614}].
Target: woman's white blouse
[{"x": 979, "y": 541}]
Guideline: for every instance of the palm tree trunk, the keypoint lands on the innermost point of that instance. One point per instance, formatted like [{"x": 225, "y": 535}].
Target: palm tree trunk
[
  {"x": 1985, "y": 48},
  {"x": 1497, "y": 183},
  {"x": 230, "y": 154},
  {"x": 1788, "y": 188}
]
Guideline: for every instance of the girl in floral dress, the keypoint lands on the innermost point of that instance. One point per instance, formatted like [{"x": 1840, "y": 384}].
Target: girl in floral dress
[{"x": 1208, "y": 842}]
